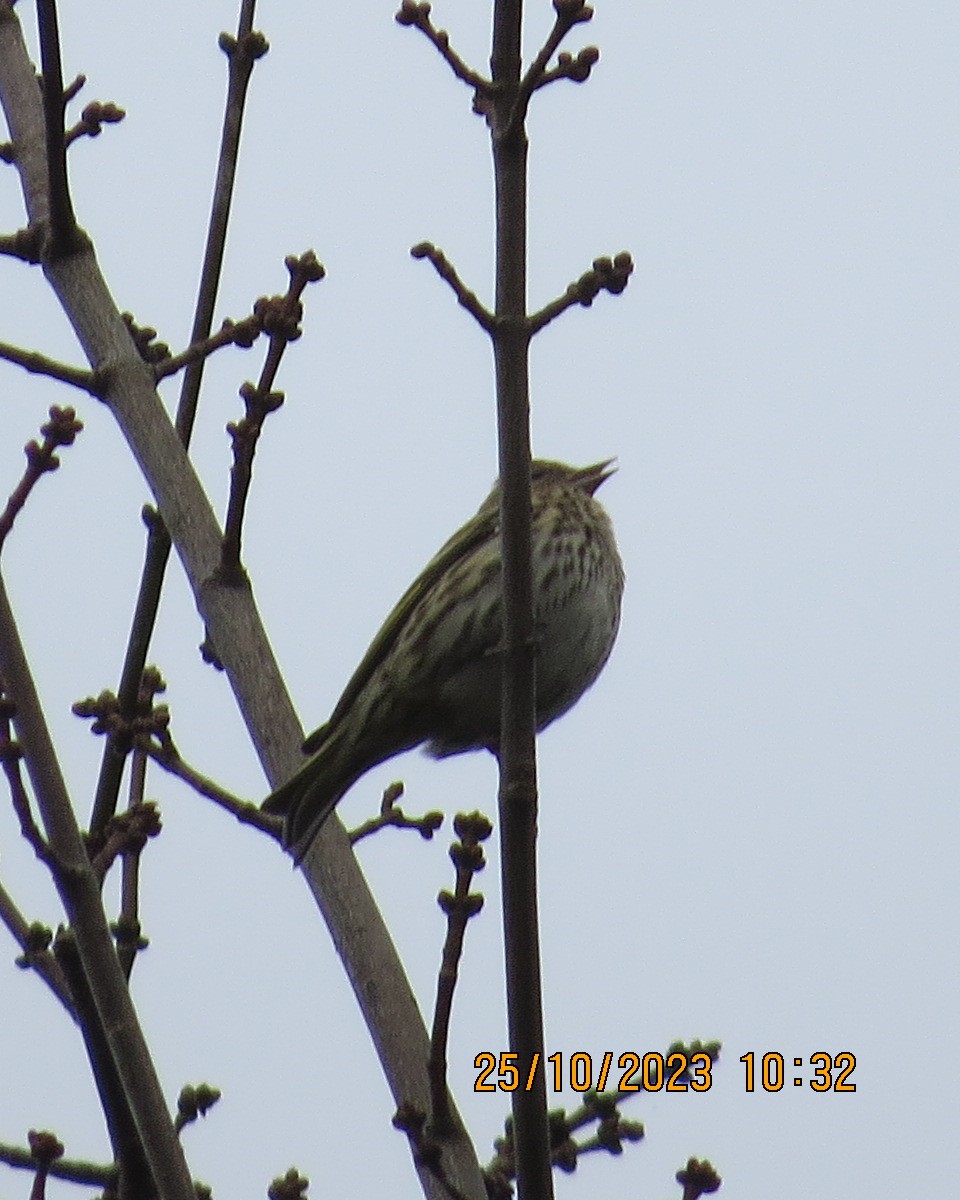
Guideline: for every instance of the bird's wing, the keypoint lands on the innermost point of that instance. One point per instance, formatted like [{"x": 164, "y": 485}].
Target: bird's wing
[{"x": 479, "y": 529}]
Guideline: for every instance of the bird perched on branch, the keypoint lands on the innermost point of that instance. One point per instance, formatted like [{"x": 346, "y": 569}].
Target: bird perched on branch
[{"x": 432, "y": 674}]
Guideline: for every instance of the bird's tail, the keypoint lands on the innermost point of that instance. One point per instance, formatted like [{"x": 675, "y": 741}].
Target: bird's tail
[{"x": 308, "y": 797}]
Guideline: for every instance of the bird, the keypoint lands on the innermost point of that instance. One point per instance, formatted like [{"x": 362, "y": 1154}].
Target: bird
[{"x": 433, "y": 672}]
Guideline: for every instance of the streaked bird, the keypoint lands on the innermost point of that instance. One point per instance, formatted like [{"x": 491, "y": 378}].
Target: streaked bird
[{"x": 432, "y": 674}]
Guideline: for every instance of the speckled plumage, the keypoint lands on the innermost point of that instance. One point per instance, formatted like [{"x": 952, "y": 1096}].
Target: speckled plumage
[{"x": 432, "y": 673}]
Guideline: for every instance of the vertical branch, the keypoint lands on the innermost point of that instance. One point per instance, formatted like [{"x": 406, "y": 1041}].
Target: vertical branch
[
  {"x": 242, "y": 52},
  {"x": 518, "y": 771},
  {"x": 63, "y": 225}
]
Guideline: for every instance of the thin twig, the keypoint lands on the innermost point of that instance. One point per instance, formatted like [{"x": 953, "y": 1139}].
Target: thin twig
[
  {"x": 40, "y": 364},
  {"x": 73, "y": 1170},
  {"x": 127, "y": 927},
  {"x": 391, "y": 814},
  {"x": 92, "y": 120},
  {"x": 165, "y": 753},
  {"x": 34, "y": 941},
  {"x": 126, "y": 835},
  {"x": 418, "y": 15},
  {"x": 11, "y": 755},
  {"x": 576, "y": 69},
  {"x": 606, "y": 275},
  {"x": 448, "y": 273},
  {"x": 148, "y": 731},
  {"x": 280, "y": 318},
  {"x": 459, "y": 906},
  {"x": 60, "y": 430},
  {"x": 242, "y": 52},
  {"x": 569, "y": 13},
  {"x": 232, "y": 333}
]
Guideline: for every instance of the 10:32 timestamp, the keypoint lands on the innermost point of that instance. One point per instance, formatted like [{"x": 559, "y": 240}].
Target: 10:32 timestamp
[{"x": 831, "y": 1073}]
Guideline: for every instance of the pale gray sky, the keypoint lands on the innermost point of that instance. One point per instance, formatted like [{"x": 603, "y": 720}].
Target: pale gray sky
[{"x": 749, "y": 827}]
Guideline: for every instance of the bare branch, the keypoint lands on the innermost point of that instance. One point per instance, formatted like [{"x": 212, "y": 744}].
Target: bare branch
[
  {"x": 64, "y": 233},
  {"x": 27, "y": 243},
  {"x": 60, "y": 430},
  {"x": 448, "y": 274},
  {"x": 92, "y": 119},
  {"x": 242, "y": 52},
  {"x": 392, "y": 814},
  {"x": 72, "y": 1169},
  {"x": 606, "y": 275},
  {"x": 232, "y": 333},
  {"x": 459, "y": 906},
  {"x": 280, "y": 318},
  {"x": 418, "y": 15},
  {"x": 34, "y": 942},
  {"x": 163, "y": 751},
  {"x": 38, "y": 364},
  {"x": 79, "y": 891},
  {"x": 569, "y": 13}
]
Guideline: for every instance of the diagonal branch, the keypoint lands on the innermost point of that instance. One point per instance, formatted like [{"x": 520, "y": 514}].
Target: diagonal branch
[
  {"x": 79, "y": 891},
  {"x": 40, "y": 364},
  {"x": 569, "y": 13},
  {"x": 606, "y": 275},
  {"x": 60, "y": 430},
  {"x": 418, "y": 15},
  {"x": 34, "y": 941},
  {"x": 448, "y": 273}
]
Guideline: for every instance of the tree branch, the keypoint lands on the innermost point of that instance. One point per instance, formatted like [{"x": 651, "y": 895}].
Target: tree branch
[
  {"x": 606, "y": 274},
  {"x": 418, "y": 15},
  {"x": 79, "y": 890},
  {"x": 34, "y": 941},
  {"x": 63, "y": 224},
  {"x": 517, "y": 751},
  {"x": 60, "y": 430},
  {"x": 242, "y": 53},
  {"x": 459, "y": 906},
  {"x": 448, "y": 273},
  {"x": 40, "y": 364}
]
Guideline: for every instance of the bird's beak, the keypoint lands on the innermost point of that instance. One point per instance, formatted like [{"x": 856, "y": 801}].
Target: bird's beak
[{"x": 590, "y": 478}]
